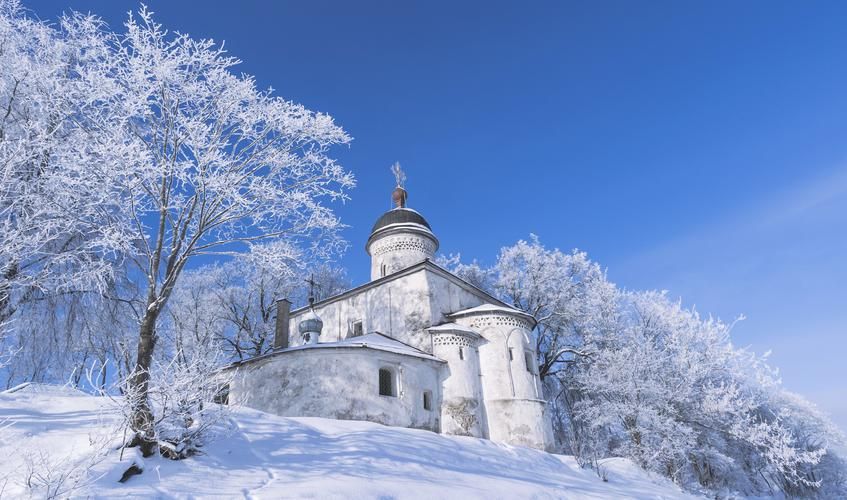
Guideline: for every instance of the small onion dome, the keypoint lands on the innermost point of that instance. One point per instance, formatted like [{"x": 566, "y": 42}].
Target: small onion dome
[{"x": 310, "y": 327}]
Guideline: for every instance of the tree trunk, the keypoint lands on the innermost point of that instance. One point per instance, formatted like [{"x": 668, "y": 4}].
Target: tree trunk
[
  {"x": 6, "y": 306},
  {"x": 139, "y": 383}
]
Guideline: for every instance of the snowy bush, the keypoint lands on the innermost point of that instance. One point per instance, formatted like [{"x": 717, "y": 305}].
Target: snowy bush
[
  {"x": 184, "y": 395},
  {"x": 47, "y": 476}
]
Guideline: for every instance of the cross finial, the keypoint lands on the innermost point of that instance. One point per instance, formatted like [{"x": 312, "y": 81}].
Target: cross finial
[
  {"x": 312, "y": 285},
  {"x": 399, "y": 175}
]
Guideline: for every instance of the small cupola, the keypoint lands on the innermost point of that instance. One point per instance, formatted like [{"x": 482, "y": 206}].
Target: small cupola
[
  {"x": 401, "y": 237},
  {"x": 311, "y": 325}
]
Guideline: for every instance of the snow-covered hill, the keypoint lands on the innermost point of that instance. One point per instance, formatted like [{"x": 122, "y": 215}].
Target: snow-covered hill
[{"x": 48, "y": 430}]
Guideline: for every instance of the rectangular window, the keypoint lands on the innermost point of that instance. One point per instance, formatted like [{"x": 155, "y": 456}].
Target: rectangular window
[
  {"x": 427, "y": 400},
  {"x": 511, "y": 355},
  {"x": 386, "y": 382},
  {"x": 461, "y": 353},
  {"x": 528, "y": 358},
  {"x": 357, "y": 329}
]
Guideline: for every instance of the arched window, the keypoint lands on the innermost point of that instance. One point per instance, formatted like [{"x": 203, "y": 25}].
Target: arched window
[
  {"x": 427, "y": 400},
  {"x": 387, "y": 385}
]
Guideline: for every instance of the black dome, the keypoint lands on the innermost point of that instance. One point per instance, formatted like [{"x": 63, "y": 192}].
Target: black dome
[{"x": 400, "y": 216}]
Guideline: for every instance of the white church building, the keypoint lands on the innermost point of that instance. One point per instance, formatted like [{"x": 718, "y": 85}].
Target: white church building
[{"x": 416, "y": 346}]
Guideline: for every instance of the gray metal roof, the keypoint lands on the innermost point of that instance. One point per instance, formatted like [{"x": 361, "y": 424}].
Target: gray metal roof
[{"x": 400, "y": 216}]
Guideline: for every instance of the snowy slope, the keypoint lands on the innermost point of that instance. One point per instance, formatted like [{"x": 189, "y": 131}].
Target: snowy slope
[{"x": 264, "y": 456}]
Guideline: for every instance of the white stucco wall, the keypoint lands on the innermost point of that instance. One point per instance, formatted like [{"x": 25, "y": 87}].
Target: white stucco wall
[
  {"x": 462, "y": 410},
  {"x": 522, "y": 422},
  {"x": 393, "y": 251},
  {"x": 447, "y": 297},
  {"x": 398, "y": 308},
  {"x": 514, "y": 409},
  {"x": 340, "y": 383},
  {"x": 402, "y": 308}
]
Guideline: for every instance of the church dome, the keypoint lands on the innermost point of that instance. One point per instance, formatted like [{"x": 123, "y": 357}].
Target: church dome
[
  {"x": 310, "y": 327},
  {"x": 311, "y": 323},
  {"x": 400, "y": 215},
  {"x": 401, "y": 237}
]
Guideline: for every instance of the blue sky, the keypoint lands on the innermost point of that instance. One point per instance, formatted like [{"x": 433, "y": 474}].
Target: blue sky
[{"x": 698, "y": 147}]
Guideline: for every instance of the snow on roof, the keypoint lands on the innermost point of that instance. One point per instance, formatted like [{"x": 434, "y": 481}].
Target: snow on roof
[
  {"x": 453, "y": 328},
  {"x": 492, "y": 308},
  {"x": 380, "y": 342},
  {"x": 374, "y": 340}
]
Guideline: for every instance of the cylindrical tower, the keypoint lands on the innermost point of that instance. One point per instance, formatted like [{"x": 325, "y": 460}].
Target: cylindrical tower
[
  {"x": 516, "y": 411},
  {"x": 462, "y": 411},
  {"x": 400, "y": 238}
]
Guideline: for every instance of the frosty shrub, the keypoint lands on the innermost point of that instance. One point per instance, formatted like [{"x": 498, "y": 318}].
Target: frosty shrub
[{"x": 188, "y": 418}]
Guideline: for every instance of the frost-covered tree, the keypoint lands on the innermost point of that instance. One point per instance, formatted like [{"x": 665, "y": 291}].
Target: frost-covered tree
[
  {"x": 220, "y": 313},
  {"x": 635, "y": 374},
  {"x": 54, "y": 234},
  {"x": 680, "y": 400},
  {"x": 146, "y": 146},
  {"x": 236, "y": 300},
  {"x": 210, "y": 164},
  {"x": 567, "y": 293}
]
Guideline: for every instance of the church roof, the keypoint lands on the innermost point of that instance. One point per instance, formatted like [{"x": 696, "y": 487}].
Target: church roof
[
  {"x": 374, "y": 340},
  {"x": 453, "y": 328},
  {"x": 426, "y": 264},
  {"x": 380, "y": 342},
  {"x": 400, "y": 215},
  {"x": 493, "y": 308}
]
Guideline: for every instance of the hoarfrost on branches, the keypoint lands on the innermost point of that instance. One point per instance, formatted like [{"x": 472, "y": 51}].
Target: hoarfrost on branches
[
  {"x": 636, "y": 374},
  {"x": 124, "y": 156},
  {"x": 399, "y": 174}
]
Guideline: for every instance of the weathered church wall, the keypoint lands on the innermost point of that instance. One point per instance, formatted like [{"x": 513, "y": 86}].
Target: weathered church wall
[
  {"x": 398, "y": 250},
  {"x": 340, "y": 383},
  {"x": 398, "y": 308},
  {"x": 462, "y": 411},
  {"x": 522, "y": 422},
  {"x": 515, "y": 412},
  {"x": 402, "y": 308},
  {"x": 447, "y": 297}
]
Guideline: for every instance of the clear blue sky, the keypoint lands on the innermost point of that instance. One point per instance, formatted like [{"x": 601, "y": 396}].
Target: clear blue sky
[{"x": 698, "y": 147}]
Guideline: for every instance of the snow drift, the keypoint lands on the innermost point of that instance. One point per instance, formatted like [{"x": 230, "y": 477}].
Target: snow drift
[{"x": 62, "y": 443}]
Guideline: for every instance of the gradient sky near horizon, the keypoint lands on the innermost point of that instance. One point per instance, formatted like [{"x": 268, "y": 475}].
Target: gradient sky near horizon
[{"x": 697, "y": 147}]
